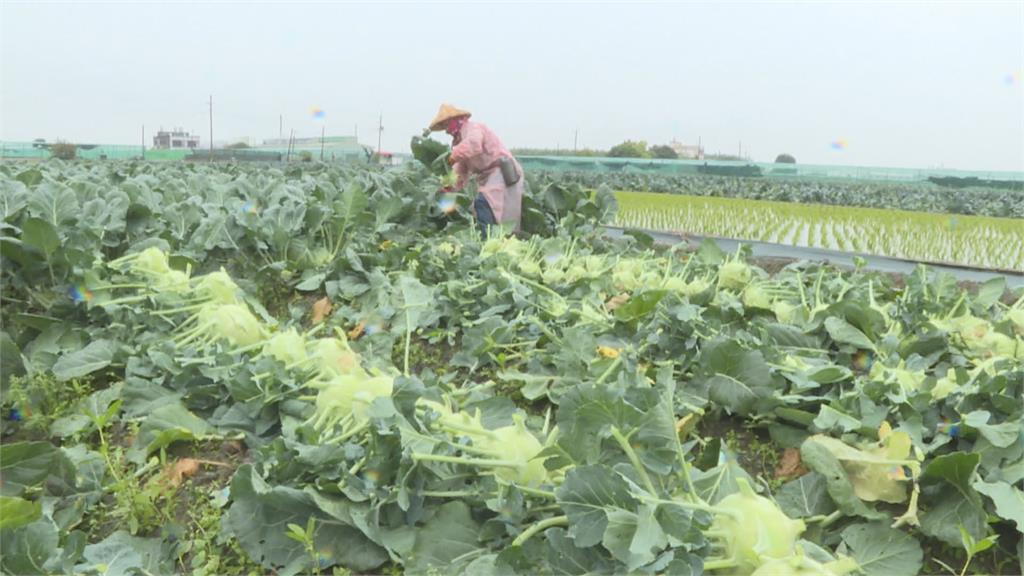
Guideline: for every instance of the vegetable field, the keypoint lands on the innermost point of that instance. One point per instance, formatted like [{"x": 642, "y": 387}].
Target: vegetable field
[
  {"x": 968, "y": 240},
  {"x": 325, "y": 370}
]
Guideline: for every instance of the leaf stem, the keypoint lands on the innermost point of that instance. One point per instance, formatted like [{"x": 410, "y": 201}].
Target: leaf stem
[
  {"x": 483, "y": 462},
  {"x": 615, "y": 364},
  {"x": 448, "y": 493},
  {"x": 826, "y": 521},
  {"x": 536, "y": 492},
  {"x": 540, "y": 527},
  {"x": 720, "y": 563},
  {"x": 634, "y": 459}
]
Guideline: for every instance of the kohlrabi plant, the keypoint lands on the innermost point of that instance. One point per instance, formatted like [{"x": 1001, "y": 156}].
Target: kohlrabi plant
[{"x": 511, "y": 453}]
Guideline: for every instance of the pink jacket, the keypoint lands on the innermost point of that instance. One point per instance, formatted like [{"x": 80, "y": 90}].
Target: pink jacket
[{"x": 476, "y": 154}]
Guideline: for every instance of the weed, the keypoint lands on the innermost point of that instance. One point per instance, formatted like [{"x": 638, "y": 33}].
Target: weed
[
  {"x": 37, "y": 401},
  {"x": 205, "y": 550}
]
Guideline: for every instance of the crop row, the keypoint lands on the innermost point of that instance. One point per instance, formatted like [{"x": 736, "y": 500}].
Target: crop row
[
  {"x": 970, "y": 240},
  {"x": 919, "y": 196}
]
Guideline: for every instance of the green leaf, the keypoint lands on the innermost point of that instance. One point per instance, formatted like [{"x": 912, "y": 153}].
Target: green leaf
[
  {"x": 627, "y": 544},
  {"x": 829, "y": 420},
  {"x": 843, "y": 332},
  {"x": 69, "y": 425},
  {"x": 806, "y": 496},
  {"x": 11, "y": 363},
  {"x": 259, "y": 516},
  {"x": 17, "y": 512},
  {"x": 819, "y": 458},
  {"x": 417, "y": 301},
  {"x": 830, "y": 374},
  {"x": 949, "y": 500},
  {"x": 877, "y": 472},
  {"x": 588, "y": 494},
  {"x": 532, "y": 386},
  {"x": 734, "y": 378},
  {"x": 999, "y": 435},
  {"x": 450, "y": 534},
  {"x": 990, "y": 292},
  {"x": 710, "y": 253},
  {"x": 311, "y": 282},
  {"x": 41, "y": 235},
  {"x": 715, "y": 484},
  {"x": 30, "y": 177},
  {"x": 350, "y": 204},
  {"x": 565, "y": 557},
  {"x": 95, "y": 356},
  {"x": 54, "y": 203},
  {"x": 168, "y": 424},
  {"x": 586, "y": 416},
  {"x": 649, "y": 537},
  {"x": 212, "y": 233},
  {"x": 25, "y": 551},
  {"x": 882, "y": 551},
  {"x": 639, "y": 306},
  {"x": 122, "y": 554},
  {"x": 333, "y": 540},
  {"x": 427, "y": 151},
  {"x": 28, "y": 464},
  {"x": 97, "y": 405},
  {"x": 1009, "y": 500}
]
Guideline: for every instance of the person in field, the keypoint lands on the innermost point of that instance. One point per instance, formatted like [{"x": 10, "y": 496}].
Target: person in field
[{"x": 478, "y": 153}]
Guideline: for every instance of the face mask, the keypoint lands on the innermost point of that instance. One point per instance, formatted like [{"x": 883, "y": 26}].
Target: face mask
[{"x": 454, "y": 126}]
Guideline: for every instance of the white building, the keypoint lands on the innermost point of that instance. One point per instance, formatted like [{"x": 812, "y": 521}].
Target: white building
[
  {"x": 688, "y": 151},
  {"x": 175, "y": 139}
]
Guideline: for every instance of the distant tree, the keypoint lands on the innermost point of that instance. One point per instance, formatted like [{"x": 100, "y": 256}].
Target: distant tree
[
  {"x": 237, "y": 146},
  {"x": 664, "y": 151},
  {"x": 630, "y": 149},
  {"x": 306, "y": 156},
  {"x": 785, "y": 159},
  {"x": 64, "y": 151}
]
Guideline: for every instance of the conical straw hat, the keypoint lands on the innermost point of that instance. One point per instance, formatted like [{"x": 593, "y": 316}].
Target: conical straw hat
[{"x": 446, "y": 113}]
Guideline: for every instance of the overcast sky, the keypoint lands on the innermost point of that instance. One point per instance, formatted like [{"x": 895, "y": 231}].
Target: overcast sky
[{"x": 909, "y": 84}]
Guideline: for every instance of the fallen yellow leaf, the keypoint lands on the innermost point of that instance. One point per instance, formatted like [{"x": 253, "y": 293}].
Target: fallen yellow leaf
[
  {"x": 321, "y": 309},
  {"x": 616, "y": 301},
  {"x": 790, "y": 465},
  {"x": 182, "y": 470},
  {"x": 356, "y": 332}
]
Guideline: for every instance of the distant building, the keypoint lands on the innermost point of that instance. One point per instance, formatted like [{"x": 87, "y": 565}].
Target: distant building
[
  {"x": 175, "y": 139},
  {"x": 688, "y": 151}
]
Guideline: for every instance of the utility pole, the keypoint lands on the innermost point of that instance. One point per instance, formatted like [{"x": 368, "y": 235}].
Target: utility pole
[
  {"x": 575, "y": 140},
  {"x": 211, "y": 127},
  {"x": 380, "y": 132},
  {"x": 143, "y": 141},
  {"x": 322, "y": 131},
  {"x": 280, "y": 127}
]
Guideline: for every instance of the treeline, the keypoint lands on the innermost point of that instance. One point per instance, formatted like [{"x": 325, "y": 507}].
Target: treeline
[{"x": 627, "y": 149}]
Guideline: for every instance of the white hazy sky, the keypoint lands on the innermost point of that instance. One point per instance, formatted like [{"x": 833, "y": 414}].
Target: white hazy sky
[{"x": 905, "y": 84}]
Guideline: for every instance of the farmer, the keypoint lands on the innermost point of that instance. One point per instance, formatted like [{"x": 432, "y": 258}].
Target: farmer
[{"x": 477, "y": 152}]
